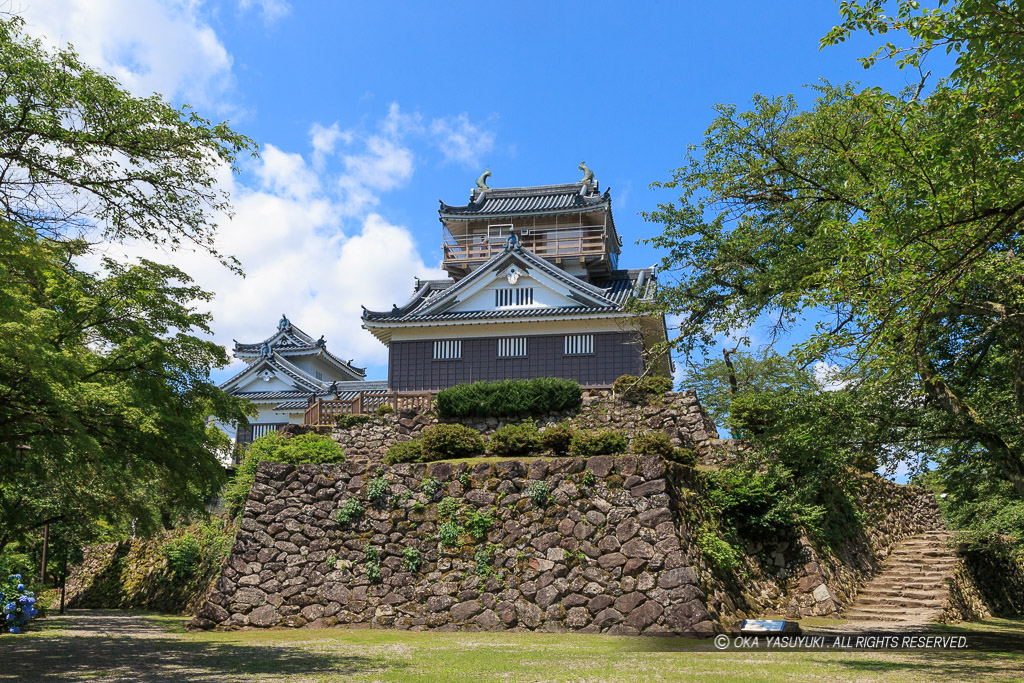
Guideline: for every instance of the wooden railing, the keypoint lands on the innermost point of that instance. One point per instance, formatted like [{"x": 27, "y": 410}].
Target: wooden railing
[
  {"x": 324, "y": 411},
  {"x": 549, "y": 243}
]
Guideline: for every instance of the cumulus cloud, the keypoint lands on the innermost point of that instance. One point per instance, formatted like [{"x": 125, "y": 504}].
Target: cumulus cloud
[
  {"x": 270, "y": 10},
  {"x": 149, "y": 46},
  {"x": 460, "y": 140},
  {"x": 324, "y": 141}
]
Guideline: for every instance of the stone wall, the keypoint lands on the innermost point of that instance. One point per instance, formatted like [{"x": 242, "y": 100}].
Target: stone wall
[
  {"x": 613, "y": 550},
  {"x": 989, "y": 581},
  {"x": 134, "y": 574},
  {"x": 677, "y": 414}
]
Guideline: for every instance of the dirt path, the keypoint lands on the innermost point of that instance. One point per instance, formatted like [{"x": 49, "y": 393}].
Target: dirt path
[{"x": 121, "y": 646}]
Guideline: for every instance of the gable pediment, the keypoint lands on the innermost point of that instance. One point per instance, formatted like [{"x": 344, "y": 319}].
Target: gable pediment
[{"x": 495, "y": 286}]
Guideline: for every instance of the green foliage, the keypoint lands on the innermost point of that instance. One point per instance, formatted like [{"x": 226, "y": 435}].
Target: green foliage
[
  {"x": 447, "y": 508},
  {"x": 484, "y": 559},
  {"x": 588, "y": 479},
  {"x": 757, "y": 503},
  {"x": 404, "y": 451},
  {"x": 509, "y": 398},
  {"x": 384, "y": 409},
  {"x": 477, "y": 523},
  {"x": 466, "y": 481},
  {"x": 653, "y": 443},
  {"x": 371, "y": 560},
  {"x": 347, "y": 421},
  {"x": 448, "y": 533},
  {"x": 297, "y": 450},
  {"x": 557, "y": 439},
  {"x": 104, "y": 370},
  {"x": 449, "y": 441},
  {"x": 684, "y": 456},
  {"x": 207, "y": 544},
  {"x": 412, "y": 559},
  {"x": 894, "y": 216},
  {"x": 540, "y": 493},
  {"x": 430, "y": 487},
  {"x": 635, "y": 388},
  {"x": 377, "y": 490},
  {"x": 514, "y": 441},
  {"x": 604, "y": 442},
  {"x": 350, "y": 511},
  {"x": 718, "y": 552}
]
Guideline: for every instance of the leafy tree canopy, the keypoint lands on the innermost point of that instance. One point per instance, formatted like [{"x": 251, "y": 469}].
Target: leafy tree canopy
[
  {"x": 892, "y": 218},
  {"x": 104, "y": 375}
]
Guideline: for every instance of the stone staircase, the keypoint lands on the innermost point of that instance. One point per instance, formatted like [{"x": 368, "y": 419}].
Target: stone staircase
[{"x": 912, "y": 587}]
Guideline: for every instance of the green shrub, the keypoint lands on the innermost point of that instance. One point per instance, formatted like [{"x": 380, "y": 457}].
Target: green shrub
[
  {"x": 448, "y": 533},
  {"x": 588, "y": 479},
  {"x": 684, "y": 456},
  {"x": 514, "y": 441},
  {"x": 557, "y": 439},
  {"x": 198, "y": 548},
  {"x": 484, "y": 558},
  {"x": 447, "y": 508},
  {"x": 297, "y": 450},
  {"x": 404, "y": 451},
  {"x": 412, "y": 560},
  {"x": 509, "y": 398},
  {"x": 605, "y": 442},
  {"x": 448, "y": 441},
  {"x": 653, "y": 443},
  {"x": 478, "y": 524},
  {"x": 632, "y": 387},
  {"x": 717, "y": 551},
  {"x": 346, "y": 421},
  {"x": 430, "y": 487},
  {"x": 384, "y": 409},
  {"x": 377, "y": 490},
  {"x": 539, "y": 492},
  {"x": 349, "y": 511},
  {"x": 371, "y": 557}
]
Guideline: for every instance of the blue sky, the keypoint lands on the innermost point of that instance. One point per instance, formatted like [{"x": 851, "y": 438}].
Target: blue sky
[{"x": 368, "y": 113}]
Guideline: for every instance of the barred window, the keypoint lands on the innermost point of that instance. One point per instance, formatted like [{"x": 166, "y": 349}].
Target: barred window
[
  {"x": 513, "y": 296},
  {"x": 511, "y": 347},
  {"x": 319, "y": 375},
  {"x": 448, "y": 349},
  {"x": 579, "y": 344}
]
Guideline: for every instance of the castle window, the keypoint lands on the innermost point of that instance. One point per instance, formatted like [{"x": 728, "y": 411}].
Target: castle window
[
  {"x": 513, "y": 296},
  {"x": 319, "y": 375},
  {"x": 448, "y": 349},
  {"x": 579, "y": 344},
  {"x": 512, "y": 347}
]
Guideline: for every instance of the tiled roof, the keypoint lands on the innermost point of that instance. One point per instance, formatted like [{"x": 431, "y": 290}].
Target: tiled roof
[
  {"x": 542, "y": 198},
  {"x": 346, "y": 390},
  {"x": 614, "y": 290},
  {"x": 273, "y": 395}
]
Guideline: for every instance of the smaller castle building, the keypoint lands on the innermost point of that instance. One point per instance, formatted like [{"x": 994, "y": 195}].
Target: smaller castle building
[{"x": 287, "y": 370}]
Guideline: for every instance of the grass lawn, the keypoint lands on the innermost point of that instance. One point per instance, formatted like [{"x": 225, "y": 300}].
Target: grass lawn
[{"x": 101, "y": 645}]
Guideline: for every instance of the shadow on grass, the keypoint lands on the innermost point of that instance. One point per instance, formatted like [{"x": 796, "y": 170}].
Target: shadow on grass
[{"x": 120, "y": 652}]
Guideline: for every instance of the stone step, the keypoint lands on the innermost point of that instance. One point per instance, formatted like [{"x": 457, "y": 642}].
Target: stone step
[
  {"x": 932, "y": 602},
  {"x": 899, "y": 592}
]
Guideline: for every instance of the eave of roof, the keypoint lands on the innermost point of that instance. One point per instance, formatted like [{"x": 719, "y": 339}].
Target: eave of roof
[{"x": 524, "y": 200}]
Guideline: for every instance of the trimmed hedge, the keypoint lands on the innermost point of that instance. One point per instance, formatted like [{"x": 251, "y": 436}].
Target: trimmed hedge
[
  {"x": 515, "y": 440},
  {"x": 557, "y": 439},
  {"x": 445, "y": 442},
  {"x": 634, "y": 388},
  {"x": 404, "y": 451},
  {"x": 509, "y": 398},
  {"x": 606, "y": 442}
]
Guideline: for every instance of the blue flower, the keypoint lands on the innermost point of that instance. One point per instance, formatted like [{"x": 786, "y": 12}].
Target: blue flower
[
  {"x": 21, "y": 586},
  {"x": 10, "y": 617},
  {"x": 34, "y": 612},
  {"x": 31, "y": 601},
  {"x": 17, "y": 576},
  {"x": 15, "y": 629},
  {"x": 9, "y": 607}
]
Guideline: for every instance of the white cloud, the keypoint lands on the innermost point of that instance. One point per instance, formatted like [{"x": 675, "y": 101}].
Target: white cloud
[
  {"x": 324, "y": 140},
  {"x": 828, "y": 376},
  {"x": 383, "y": 165},
  {"x": 286, "y": 173},
  {"x": 270, "y": 10},
  {"x": 460, "y": 140},
  {"x": 149, "y": 46}
]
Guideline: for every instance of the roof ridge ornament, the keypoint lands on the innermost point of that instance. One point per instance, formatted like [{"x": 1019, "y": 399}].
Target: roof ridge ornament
[
  {"x": 512, "y": 241},
  {"x": 481, "y": 186},
  {"x": 284, "y": 324},
  {"x": 588, "y": 175}
]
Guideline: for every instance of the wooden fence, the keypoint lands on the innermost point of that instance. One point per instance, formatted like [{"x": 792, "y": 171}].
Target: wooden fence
[{"x": 324, "y": 411}]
